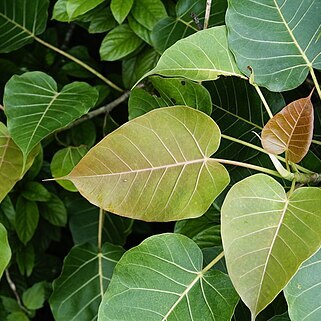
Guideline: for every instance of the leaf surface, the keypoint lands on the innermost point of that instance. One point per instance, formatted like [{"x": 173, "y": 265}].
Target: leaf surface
[
  {"x": 5, "y": 250},
  {"x": 290, "y": 130},
  {"x": 76, "y": 8},
  {"x": 11, "y": 162},
  {"x": 162, "y": 279},
  {"x": 78, "y": 291},
  {"x": 267, "y": 235},
  {"x": 20, "y": 21},
  {"x": 175, "y": 179},
  {"x": 278, "y": 39},
  {"x": 35, "y": 108},
  {"x": 120, "y": 9},
  {"x": 208, "y": 57},
  {"x": 303, "y": 290}
]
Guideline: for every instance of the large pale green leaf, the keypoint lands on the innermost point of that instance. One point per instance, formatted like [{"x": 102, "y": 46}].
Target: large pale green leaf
[
  {"x": 20, "y": 21},
  {"x": 202, "y": 56},
  {"x": 162, "y": 279},
  {"x": 277, "y": 38},
  {"x": 35, "y": 108},
  {"x": 267, "y": 235},
  {"x": 83, "y": 223},
  {"x": 155, "y": 167},
  {"x": 120, "y": 9},
  {"x": 303, "y": 291},
  {"x": 79, "y": 289},
  {"x": 170, "y": 29},
  {"x": 5, "y": 250},
  {"x": 11, "y": 162},
  {"x": 119, "y": 43}
]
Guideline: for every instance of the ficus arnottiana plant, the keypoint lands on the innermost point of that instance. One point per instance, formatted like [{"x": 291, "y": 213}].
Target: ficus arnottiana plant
[{"x": 221, "y": 148}]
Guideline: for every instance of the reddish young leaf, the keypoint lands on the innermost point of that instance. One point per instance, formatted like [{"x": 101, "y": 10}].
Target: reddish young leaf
[{"x": 290, "y": 130}]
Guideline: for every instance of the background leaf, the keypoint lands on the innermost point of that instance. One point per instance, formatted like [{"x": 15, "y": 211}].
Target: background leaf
[
  {"x": 5, "y": 250},
  {"x": 162, "y": 279},
  {"x": 35, "y": 108},
  {"x": 20, "y": 21},
  {"x": 267, "y": 235},
  {"x": 303, "y": 290},
  {"x": 77, "y": 293},
  {"x": 290, "y": 130},
  {"x": 34, "y": 297},
  {"x": 120, "y": 9},
  {"x": 173, "y": 180},
  {"x": 278, "y": 39},
  {"x": 119, "y": 43},
  {"x": 202, "y": 62},
  {"x": 75, "y": 8}
]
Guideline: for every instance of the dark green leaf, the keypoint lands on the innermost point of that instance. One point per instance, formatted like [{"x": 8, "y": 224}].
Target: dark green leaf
[
  {"x": 25, "y": 258},
  {"x": 5, "y": 250},
  {"x": 34, "y": 297},
  {"x": 27, "y": 217},
  {"x": 17, "y": 316},
  {"x": 34, "y": 191},
  {"x": 141, "y": 31}
]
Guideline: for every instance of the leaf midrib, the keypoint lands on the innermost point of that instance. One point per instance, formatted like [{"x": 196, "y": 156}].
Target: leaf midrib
[
  {"x": 141, "y": 170},
  {"x": 17, "y": 25}
]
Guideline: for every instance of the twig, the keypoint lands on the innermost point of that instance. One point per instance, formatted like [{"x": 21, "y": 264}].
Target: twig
[
  {"x": 207, "y": 13},
  {"x": 68, "y": 36},
  {"x": 102, "y": 110},
  {"x": 1, "y": 107},
  {"x": 14, "y": 290}
]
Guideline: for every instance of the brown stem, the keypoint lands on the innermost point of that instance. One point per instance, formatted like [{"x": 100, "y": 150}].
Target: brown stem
[{"x": 207, "y": 13}]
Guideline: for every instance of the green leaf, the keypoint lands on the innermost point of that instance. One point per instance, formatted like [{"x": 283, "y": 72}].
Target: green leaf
[
  {"x": 303, "y": 290},
  {"x": 281, "y": 317},
  {"x": 278, "y": 39},
  {"x": 27, "y": 217},
  {"x": 21, "y": 21},
  {"x": 60, "y": 11},
  {"x": 178, "y": 91},
  {"x": 148, "y": 12},
  {"x": 34, "y": 191},
  {"x": 208, "y": 57},
  {"x": 84, "y": 134},
  {"x": 64, "y": 161},
  {"x": 170, "y": 29},
  {"x": 135, "y": 67},
  {"x": 17, "y": 316},
  {"x": 10, "y": 304},
  {"x": 174, "y": 180},
  {"x": 76, "y": 8},
  {"x": 162, "y": 279},
  {"x": 204, "y": 230},
  {"x": 35, "y": 108},
  {"x": 34, "y": 297},
  {"x": 11, "y": 162},
  {"x": 86, "y": 273},
  {"x": 119, "y": 43},
  {"x": 54, "y": 211},
  {"x": 120, "y": 9},
  {"x": 266, "y": 235},
  {"x": 25, "y": 258},
  {"x": 101, "y": 21},
  {"x": 141, "y": 31},
  {"x": 83, "y": 223},
  {"x": 5, "y": 250},
  {"x": 8, "y": 211}
]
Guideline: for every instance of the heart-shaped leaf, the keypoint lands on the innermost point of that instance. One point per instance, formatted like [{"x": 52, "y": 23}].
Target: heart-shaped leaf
[
  {"x": 11, "y": 162},
  {"x": 20, "y": 21},
  {"x": 267, "y": 235},
  {"x": 5, "y": 250},
  {"x": 79, "y": 289},
  {"x": 162, "y": 279},
  {"x": 278, "y": 39},
  {"x": 303, "y": 291},
  {"x": 208, "y": 57},
  {"x": 35, "y": 108},
  {"x": 290, "y": 130},
  {"x": 156, "y": 167}
]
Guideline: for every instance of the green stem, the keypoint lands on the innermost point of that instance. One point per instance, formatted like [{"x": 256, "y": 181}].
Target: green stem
[
  {"x": 207, "y": 13},
  {"x": 316, "y": 142},
  {"x": 250, "y": 166},
  {"x": 99, "y": 246},
  {"x": 213, "y": 262},
  {"x": 79, "y": 62},
  {"x": 266, "y": 105},
  {"x": 315, "y": 80}
]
